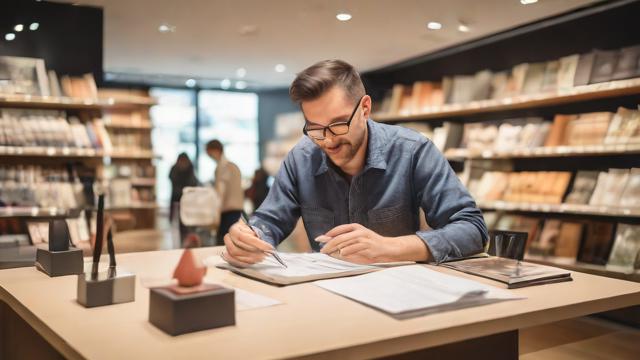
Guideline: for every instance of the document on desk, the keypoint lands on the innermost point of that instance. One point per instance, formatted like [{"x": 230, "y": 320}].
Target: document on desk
[
  {"x": 301, "y": 268},
  {"x": 415, "y": 290}
]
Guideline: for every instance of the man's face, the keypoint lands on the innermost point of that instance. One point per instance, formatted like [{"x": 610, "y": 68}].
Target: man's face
[
  {"x": 332, "y": 107},
  {"x": 214, "y": 154}
]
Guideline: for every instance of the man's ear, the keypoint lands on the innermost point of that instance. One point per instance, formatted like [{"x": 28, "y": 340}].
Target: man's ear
[{"x": 366, "y": 106}]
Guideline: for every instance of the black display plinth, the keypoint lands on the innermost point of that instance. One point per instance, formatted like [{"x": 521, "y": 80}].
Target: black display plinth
[{"x": 60, "y": 263}]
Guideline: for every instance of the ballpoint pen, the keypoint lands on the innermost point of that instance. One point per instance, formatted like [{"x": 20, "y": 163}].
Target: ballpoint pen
[{"x": 270, "y": 252}]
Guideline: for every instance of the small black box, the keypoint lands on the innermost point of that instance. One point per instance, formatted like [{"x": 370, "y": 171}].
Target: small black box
[
  {"x": 178, "y": 314},
  {"x": 60, "y": 263}
]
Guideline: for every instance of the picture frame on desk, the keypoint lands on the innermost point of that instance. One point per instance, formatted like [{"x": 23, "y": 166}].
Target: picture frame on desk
[{"x": 23, "y": 75}]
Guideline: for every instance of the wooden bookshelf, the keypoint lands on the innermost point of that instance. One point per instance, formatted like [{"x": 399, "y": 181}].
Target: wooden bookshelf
[
  {"x": 572, "y": 209},
  {"x": 548, "y": 151},
  {"x": 37, "y": 212},
  {"x": 68, "y": 103},
  {"x": 129, "y": 127},
  {"x": 571, "y": 264},
  {"x": 577, "y": 94},
  {"x": 49, "y": 152},
  {"x": 135, "y": 155}
]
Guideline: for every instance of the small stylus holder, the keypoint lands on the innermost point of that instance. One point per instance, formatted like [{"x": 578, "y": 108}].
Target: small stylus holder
[
  {"x": 105, "y": 287},
  {"x": 59, "y": 259}
]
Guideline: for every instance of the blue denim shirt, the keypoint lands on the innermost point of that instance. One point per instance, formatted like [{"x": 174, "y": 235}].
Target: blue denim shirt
[{"x": 403, "y": 171}]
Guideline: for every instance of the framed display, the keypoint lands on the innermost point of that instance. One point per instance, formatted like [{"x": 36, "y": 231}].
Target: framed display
[{"x": 21, "y": 75}]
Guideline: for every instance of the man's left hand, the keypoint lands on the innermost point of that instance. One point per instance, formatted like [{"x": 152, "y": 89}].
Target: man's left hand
[{"x": 357, "y": 244}]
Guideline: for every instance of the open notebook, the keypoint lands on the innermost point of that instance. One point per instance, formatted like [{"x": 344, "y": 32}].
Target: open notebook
[
  {"x": 303, "y": 268},
  {"x": 512, "y": 272}
]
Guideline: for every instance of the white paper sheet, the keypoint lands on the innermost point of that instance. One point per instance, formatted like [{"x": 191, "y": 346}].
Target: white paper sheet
[
  {"x": 246, "y": 300},
  {"x": 413, "y": 288}
]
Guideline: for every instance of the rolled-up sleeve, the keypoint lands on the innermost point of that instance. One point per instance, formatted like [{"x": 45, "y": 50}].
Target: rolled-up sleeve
[
  {"x": 277, "y": 216},
  {"x": 458, "y": 227}
]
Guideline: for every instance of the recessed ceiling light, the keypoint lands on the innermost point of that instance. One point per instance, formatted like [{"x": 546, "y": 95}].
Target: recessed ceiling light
[
  {"x": 241, "y": 72},
  {"x": 463, "y": 28},
  {"x": 34, "y": 26},
  {"x": 434, "y": 25},
  {"x": 18, "y": 27},
  {"x": 528, "y": 2},
  {"x": 166, "y": 28},
  {"x": 225, "y": 84},
  {"x": 9, "y": 36},
  {"x": 280, "y": 68},
  {"x": 190, "y": 83},
  {"x": 343, "y": 16},
  {"x": 241, "y": 85}
]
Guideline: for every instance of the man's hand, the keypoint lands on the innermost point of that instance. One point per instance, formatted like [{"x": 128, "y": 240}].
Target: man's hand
[
  {"x": 243, "y": 247},
  {"x": 357, "y": 244}
]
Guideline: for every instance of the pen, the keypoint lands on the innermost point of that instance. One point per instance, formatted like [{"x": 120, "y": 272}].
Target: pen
[{"x": 272, "y": 253}]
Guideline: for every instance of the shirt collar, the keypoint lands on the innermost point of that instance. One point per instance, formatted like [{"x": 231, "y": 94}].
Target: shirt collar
[{"x": 377, "y": 147}]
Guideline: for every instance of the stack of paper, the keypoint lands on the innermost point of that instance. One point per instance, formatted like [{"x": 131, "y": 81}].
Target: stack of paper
[{"x": 409, "y": 291}]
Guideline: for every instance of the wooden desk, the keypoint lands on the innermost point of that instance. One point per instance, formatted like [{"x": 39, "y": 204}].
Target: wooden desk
[{"x": 312, "y": 322}]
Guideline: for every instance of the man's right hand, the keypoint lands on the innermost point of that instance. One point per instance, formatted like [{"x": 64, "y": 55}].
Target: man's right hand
[{"x": 243, "y": 247}]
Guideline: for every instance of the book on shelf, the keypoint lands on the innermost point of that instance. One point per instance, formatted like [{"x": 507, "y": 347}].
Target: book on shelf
[
  {"x": 567, "y": 71},
  {"x": 545, "y": 244},
  {"x": 517, "y": 79},
  {"x": 462, "y": 89},
  {"x": 587, "y": 129},
  {"x": 519, "y": 223},
  {"x": 583, "y": 186},
  {"x": 556, "y": 135},
  {"x": 604, "y": 64},
  {"x": 447, "y": 136},
  {"x": 583, "y": 69},
  {"x": 534, "y": 78},
  {"x": 609, "y": 187},
  {"x": 500, "y": 85},
  {"x": 550, "y": 80},
  {"x": 514, "y": 273},
  {"x": 626, "y": 247},
  {"x": 628, "y": 64},
  {"x": 596, "y": 245},
  {"x": 54, "y": 84},
  {"x": 568, "y": 242},
  {"x": 631, "y": 194},
  {"x": 83, "y": 87}
]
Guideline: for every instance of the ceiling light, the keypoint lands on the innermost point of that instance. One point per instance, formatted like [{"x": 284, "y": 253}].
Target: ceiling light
[
  {"x": 9, "y": 36},
  {"x": 241, "y": 85},
  {"x": 18, "y": 27},
  {"x": 225, "y": 84},
  {"x": 463, "y": 28},
  {"x": 280, "y": 68},
  {"x": 434, "y": 25},
  {"x": 166, "y": 28},
  {"x": 34, "y": 26},
  {"x": 241, "y": 72},
  {"x": 343, "y": 16},
  {"x": 528, "y": 2},
  {"x": 190, "y": 83}
]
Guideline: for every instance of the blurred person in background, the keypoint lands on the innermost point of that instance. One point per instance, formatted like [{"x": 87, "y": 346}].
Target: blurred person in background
[
  {"x": 181, "y": 175},
  {"x": 259, "y": 188}
]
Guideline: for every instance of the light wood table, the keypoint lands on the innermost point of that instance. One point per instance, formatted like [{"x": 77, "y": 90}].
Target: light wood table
[{"x": 311, "y": 322}]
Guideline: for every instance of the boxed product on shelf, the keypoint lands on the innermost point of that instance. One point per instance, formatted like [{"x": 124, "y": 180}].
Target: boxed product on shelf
[
  {"x": 596, "y": 244},
  {"x": 609, "y": 188},
  {"x": 626, "y": 247},
  {"x": 583, "y": 186}
]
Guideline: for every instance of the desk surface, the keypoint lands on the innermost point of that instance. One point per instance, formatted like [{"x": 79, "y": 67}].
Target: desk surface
[{"x": 311, "y": 323}]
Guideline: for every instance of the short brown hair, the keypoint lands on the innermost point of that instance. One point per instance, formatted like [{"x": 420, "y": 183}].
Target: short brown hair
[
  {"x": 313, "y": 81},
  {"x": 215, "y": 145}
]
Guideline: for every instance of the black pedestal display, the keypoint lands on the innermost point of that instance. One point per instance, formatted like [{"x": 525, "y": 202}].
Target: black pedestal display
[
  {"x": 178, "y": 314},
  {"x": 60, "y": 263},
  {"x": 60, "y": 259}
]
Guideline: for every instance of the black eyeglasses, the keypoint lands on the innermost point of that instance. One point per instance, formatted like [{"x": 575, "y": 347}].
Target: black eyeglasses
[{"x": 338, "y": 128}]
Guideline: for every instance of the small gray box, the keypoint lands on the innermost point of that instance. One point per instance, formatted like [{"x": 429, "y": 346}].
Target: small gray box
[
  {"x": 178, "y": 314},
  {"x": 60, "y": 263},
  {"x": 107, "y": 288}
]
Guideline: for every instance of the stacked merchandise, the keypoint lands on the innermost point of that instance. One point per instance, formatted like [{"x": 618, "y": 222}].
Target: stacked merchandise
[
  {"x": 51, "y": 128},
  {"x": 129, "y": 143},
  {"x": 568, "y": 241},
  {"x": 127, "y": 119},
  {"x": 130, "y": 184},
  {"x": 546, "y": 187},
  {"x": 552, "y": 77},
  {"x": 599, "y": 130},
  {"x": 39, "y": 186},
  {"x": 615, "y": 188}
]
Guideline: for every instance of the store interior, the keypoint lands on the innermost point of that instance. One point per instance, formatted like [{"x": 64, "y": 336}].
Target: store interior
[{"x": 535, "y": 104}]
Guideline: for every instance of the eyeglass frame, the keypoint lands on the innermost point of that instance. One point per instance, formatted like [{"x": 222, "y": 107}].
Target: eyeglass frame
[{"x": 328, "y": 127}]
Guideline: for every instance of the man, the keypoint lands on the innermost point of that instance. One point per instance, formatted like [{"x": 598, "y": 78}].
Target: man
[
  {"x": 358, "y": 185},
  {"x": 228, "y": 186}
]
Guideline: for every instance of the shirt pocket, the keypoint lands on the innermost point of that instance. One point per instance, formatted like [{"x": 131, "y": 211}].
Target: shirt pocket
[
  {"x": 317, "y": 221},
  {"x": 391, "y": 221}
]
